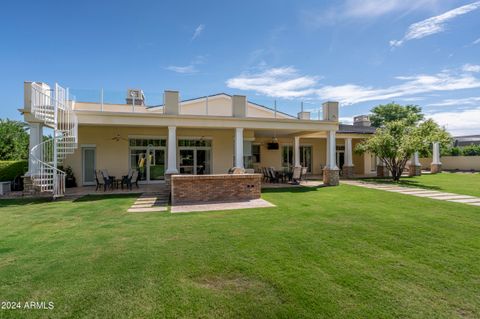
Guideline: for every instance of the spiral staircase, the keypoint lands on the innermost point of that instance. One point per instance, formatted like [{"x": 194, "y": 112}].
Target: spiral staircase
[{"x": 55, "y": 110}]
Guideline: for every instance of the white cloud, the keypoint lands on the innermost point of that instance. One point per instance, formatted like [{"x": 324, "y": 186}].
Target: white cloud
[
  {"x": 412, "y": 85},
  {"x": 198, "y": 31},
  {"x": 372, "y": 8},
  {"x": 287, "y": 82},
  {"x": 434, "y": 24},
  {"x": 284, "y": 82},
  {"x": 458, "y": 102},
  {"x": 187, "y": 69},
  {"x": 471, "y": 68},
  {"x": 463, "y": 122},
  {"x": 476, "y": 41}
]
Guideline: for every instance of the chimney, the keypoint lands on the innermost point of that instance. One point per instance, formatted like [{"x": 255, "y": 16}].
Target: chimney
[
  {"x": 239, "y": 106},
  {"x": 330, "y": 111},
  {"x": 361, "y": 120},
  {"x": 172, "y": 103},
  {"x": 135, "y": 96},
  {"x": 303, "y": 115}
]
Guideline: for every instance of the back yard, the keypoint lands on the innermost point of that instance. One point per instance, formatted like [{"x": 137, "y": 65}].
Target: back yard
[{"x": 340, "y": 252}]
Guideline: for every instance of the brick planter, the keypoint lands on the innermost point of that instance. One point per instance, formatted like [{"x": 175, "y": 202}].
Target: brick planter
[
  {"x": 348, "y": 171},
  {"x": 382, "y": 171},
  {"x": 415, "y": 170},
  {"x": 331, "y": 177},
  {"x": 435, "y": 168},
  {"x": 191, "y": 189}
]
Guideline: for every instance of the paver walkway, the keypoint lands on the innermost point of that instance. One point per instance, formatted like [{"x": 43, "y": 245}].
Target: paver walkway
[
  {"x": 419, "y": 192},
  {"x": 150, "y": 202}
]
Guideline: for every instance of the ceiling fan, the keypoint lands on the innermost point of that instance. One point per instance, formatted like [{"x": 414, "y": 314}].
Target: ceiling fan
[{"x": 118, "y": 138}]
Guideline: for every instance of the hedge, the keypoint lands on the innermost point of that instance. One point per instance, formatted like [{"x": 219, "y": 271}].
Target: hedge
[
  {"x": 469, "y": 150},
  {"x": 11, "y": 169}
]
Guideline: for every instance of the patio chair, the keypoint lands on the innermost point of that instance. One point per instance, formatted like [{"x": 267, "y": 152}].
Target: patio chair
[
  {"x": 133, "y": 179},
  {"x": 126, "y": 177},
  {"x": 266, "y": 178},
  {"x": 97, "y": 180},
  {"x": 272, "y": 175},
  {"x": 107, "y": 179},
  {"x": 297, "y": 174}
]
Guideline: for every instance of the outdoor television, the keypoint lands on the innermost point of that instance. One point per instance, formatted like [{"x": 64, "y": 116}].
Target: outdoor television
[{"x": 272, "y": 146}]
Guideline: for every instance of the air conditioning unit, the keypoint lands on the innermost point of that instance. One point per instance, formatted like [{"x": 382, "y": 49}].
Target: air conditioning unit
[{"x": 135, "y": 95}]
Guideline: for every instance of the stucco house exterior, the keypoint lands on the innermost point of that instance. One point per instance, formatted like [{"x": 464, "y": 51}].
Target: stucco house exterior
[{"x": 205, "y": 135}]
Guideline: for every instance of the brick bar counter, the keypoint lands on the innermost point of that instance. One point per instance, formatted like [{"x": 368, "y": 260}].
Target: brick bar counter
[{"x": 191, "y": 189}]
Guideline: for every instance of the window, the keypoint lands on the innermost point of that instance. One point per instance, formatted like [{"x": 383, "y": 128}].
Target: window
[
  {"x": 287, "y": 156},
  {"x": 195, "y": 143},
  {"x": 251, "y": 154},
  {"x": 147, "y": 142}
]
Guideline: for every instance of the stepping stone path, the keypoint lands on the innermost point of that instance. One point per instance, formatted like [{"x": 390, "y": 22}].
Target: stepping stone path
[
  {"x": 150, "y": 202},
  {"x": 419, "y": 192}
]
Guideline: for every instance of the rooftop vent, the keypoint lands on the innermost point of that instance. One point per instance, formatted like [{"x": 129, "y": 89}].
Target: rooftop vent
[
  {"x": 135, "y": 96},
  {"x": 362, "y": 120}
]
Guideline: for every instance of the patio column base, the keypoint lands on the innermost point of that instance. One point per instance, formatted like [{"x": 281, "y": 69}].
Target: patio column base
[
  {"x": 331, "y": 177},
  {"x": 415, "y": 170},
  {"x": 348, "y": 171},
  {"x": 435, "y": 168},
  {"x": 382, "y": 171},
  {"x": 28, "y": 187}
]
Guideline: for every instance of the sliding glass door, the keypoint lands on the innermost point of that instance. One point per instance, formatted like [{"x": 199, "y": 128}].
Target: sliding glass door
[{"x": 195, "y": 156}]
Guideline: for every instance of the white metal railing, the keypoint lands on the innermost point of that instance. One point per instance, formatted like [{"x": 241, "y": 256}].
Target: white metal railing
[{"x": 57, "y": 113}]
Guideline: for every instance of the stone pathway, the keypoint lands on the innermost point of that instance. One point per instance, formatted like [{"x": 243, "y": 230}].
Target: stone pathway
[
  {"x": 150, "y": 202},
  {"x": 419, "y": 192}
]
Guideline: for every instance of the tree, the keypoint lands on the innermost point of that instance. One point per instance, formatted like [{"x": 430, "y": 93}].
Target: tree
[
  {"x": 397, "y": 141},
  {"x": 385, "y": 113},
  {"x": 13, "y": 140}
]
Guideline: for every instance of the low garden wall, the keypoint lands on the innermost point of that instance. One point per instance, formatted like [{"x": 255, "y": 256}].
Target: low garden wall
[
  {"x": 191, "y": 189},
  {"x": 461, "y": 163}
]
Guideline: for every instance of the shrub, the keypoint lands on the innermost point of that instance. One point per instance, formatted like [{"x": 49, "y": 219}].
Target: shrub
[
  {"x": 11, "y": 169},
  {"x": 471, "y": 150}
]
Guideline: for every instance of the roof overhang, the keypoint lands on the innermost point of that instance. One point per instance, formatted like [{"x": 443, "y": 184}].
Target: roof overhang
[{"x": 196, "y": 121}]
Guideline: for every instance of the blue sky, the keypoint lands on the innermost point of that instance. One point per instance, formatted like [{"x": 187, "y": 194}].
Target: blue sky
[{"x": 361, "y": 53}]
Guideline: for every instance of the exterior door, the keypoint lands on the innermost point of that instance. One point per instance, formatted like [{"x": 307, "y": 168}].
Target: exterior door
[
  {"x": 89, "y": 166},
  {"x": 195, "y": 160},
  {"x": 306, "y": 157},
  {"x": 155, "y": 164},
  {"x": 340, "y": 159}
]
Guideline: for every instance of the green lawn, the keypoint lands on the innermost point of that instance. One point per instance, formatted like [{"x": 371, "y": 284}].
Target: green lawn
[
  {"x": 460, "y": 183},
  {"x": 339, "y": 252}
]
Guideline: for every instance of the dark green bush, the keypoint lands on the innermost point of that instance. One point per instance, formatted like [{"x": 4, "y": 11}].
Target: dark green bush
[
  {"x": 10, "y": 169},
  {"x": 470, "y": 150}
]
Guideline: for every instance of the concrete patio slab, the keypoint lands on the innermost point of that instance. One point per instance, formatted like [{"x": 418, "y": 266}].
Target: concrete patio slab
[{"x": 254, "y": 203}]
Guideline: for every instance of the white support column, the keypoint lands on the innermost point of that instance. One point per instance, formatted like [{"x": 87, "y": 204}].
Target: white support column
[
  {"x": 415, "y": 168},
  {"x": 415, "y": 160},
  {"x": 239, "y": 147},
  {"x": 436, "y": 153},
  {"x": 172, "y": 151},
  {"x": 36, "y": 137},
  {"x": 296, "y": 151},
  {"x": 331, "y": 172},
  {"x": 348, "y": 170},
  {"x": 331, "y": 151},
  {"x": 436, "y": 166},
  {"x": 348, "y": 152}
]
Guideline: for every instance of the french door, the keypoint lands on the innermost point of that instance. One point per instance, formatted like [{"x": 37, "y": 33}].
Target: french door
[{"x": 149, "y": 161}]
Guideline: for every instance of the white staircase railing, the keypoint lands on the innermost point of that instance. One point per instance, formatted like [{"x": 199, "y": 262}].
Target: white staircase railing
[{"x": 57, "y": 113}]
